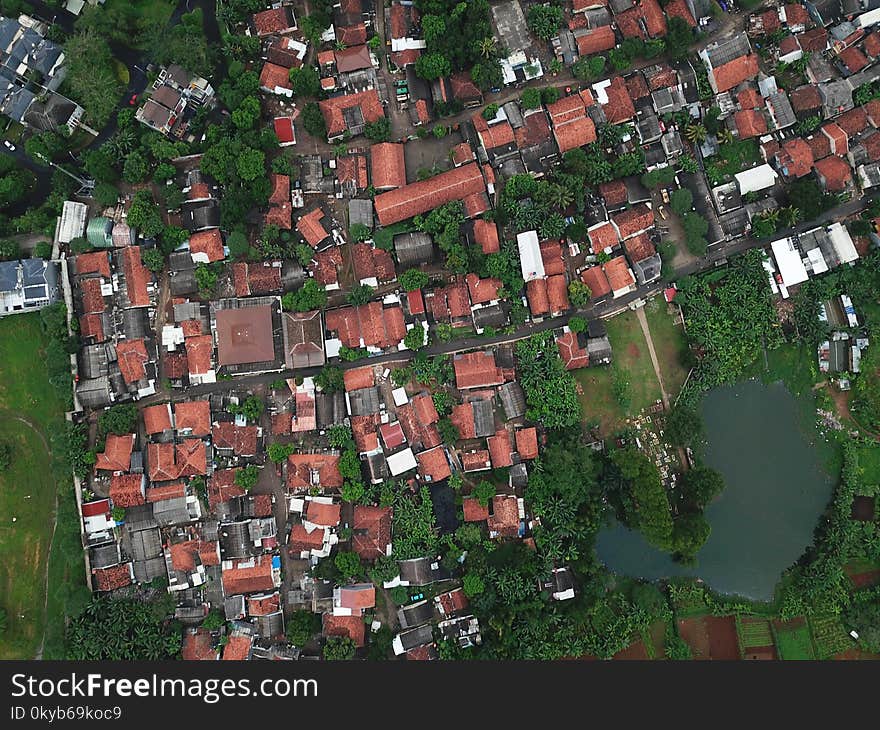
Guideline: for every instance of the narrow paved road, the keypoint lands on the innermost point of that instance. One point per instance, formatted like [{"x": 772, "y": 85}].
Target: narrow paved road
[{"x": 646, "y": 331}]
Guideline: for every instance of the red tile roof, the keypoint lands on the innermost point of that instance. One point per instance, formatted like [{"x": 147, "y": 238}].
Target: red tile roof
[
  {"x": 853, "y": 121},
  {"x": 280, "y": 189},
  {"x": 323, "y": 515},
  {"x": 264, "y": 605},
  {"x": 837, "y": 137},
  {"x": 749, "y": 99},
  {"x": 302, "y": 540},
  {"x": 557, "y": 291},
  {"x": 392, "y": 435},
  {"x": 603, "y": 236},
  {"x": 619, "y": 107},
  {"x": 527, "y": 443},
  {"x": 351, "y": 626},
  {"x": 222, "y": 486},
  {"x": 618, "y": 273},
  {"x": 132, "y": 355},
  {"x": 127, "y": 490},
  {"x": 477, "y": 370},
  {"x": 284, "y": 130},
  {"x": 256, "y": 278},
  {"x": 194, "y": 415},
  {"x": 161, "y": 462},
  {"x": 371, "y": 531},
  {"x": 97, "y": 262},
  {"x": 352, "y": 169},
  {"x": 500, "y": 449},
  {"x": 486, "y": 235},
  {"x": 117, "y": 453},
  {"x": 596, "y": 40},
  {"x": 199, "y": 351},
  {"x": 571, "y": 126},
  {"x": 482, "y": 290},
  {"x": 433, "y": 465},
  {"x": 387, "y": 168},
  {"x": 595, "y": 278},
  {"x": 633, "y": 220},
  {"x": 355, "y": 58},
  {"x": 358, "y": 597},
  {"x": 820, "y": 145},
  {"x": 835, "y": 172},
  {"x": 475, "y": 204},
  {"x": 538, "y": 298},
  {"x": 367, "y": 325},
  {"x": 639, "y": 248},
  {"x": 415, "y": 302},
  {"x": 358, "y": 378},
  {"x": 551, "y": 256},
  {"x": 174, "y": 365},
  {"x": 796, "y": 14},
  {"x": 425, "y": 195},
  {"x": 276, "y": 20},
  {"x": 462, "y": 417},
  {"x": 241, "y": 439},
  {"x": 323, "y": 469},
  {"x": 325, "y": 265},
  {"x": 636, "y": 86},
  {"x": 311, "y": 228},
  {"x": 332, "y": 109},
  {"x": 245, "y": 578},
  {"x": 679, "y": 9},
  {"x": 425, "y": 411},
  {"x": 198, "y": 646},
  {"x": 91, "y": 325},
  {"x": 136, "y": 277},
  {"x": 157, "y": 418},
  {"x": 352, "y": 35},
  {"x": 209, "y": 243},
  {"x": 813, "y": 41},
  {"x": 166, "y": 491},
  {"x": 191, "y": 457},
  {"x": 463, "y": 87},
  {"x": 110, "y": 579},
  {"x": 505, "y": 516},
  {"x": 805, "y": 98},
  {"x": 573, "y": 355},
  {"x": 871, "y": 143},
  {"x": 735, "y": 72},
  {"x": 661, "y": 76},
  {"x": 872, "y": 44},
  {"x": 495, "y": 135},
  {"x": 473, "y": 510},
  {"x": 614, "y": 192},
  {"x": 476, "y": 460},
  {"x": 853, "y": 59}
]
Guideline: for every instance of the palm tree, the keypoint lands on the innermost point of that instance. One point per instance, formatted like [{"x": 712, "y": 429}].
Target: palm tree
[
  {"x": 487, "y": 46},
  {"x": 791, "y": 215},
  {"x": 725, "y": 136},
  {"x": 340, "y": 46},
  {"x": 695, "y": 133},
  {"x": 772, "y": 216},
  {"x": 560, "y": 196}
]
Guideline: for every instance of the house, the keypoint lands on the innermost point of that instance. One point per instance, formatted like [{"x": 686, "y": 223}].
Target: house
[
  {"x": 275, "y": 21},
  {"x": 311, "y": 227},
  {"x": 305, "y": 471},
  {"x": 834, "y": 174},
  {"x": 619, "y": 276},
  {"x": 303, "y": 339},
  {"x": 371, "y": 531},
  {"x": 28, "y": 285},
  {"x": 387, "y": 168},
  {"x": 504, "y": 517},
  {"x": 420, "y": 197},
  {"x": 249, "y": 334},
  {"x": 477, "y": 370},
  {"x": 572, "y": 127},
  {"x": 351, "y": 113},
  {"x": 729, "y": 63}
]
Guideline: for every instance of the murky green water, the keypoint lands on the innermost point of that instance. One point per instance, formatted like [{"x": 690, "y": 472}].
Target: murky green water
[{"x": 762, "y": 439}]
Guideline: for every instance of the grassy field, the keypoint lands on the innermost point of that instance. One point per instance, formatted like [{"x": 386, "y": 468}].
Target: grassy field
[
  {"x": 794, "y": 642},
  {"x": 633, "y": 360},
  {"x": 829, "y": 636},
  {"x": 670, "y": 345},
  {"x": 754, "y": 632},
  {"x": 27, "y": 489},
  {"x": 869, "y": 460}
]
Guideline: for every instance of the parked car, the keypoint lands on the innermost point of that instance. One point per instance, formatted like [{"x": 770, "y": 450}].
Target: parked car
[
  {"x": 662, "y": 212},
  {"x": 8, "y": 145}
]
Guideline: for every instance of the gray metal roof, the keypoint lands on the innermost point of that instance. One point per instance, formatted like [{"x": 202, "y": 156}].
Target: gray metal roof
[
  {"x": 9, "y": 271},
  {"x": 415, "y": 614},
  {"x": 513, "y": 399},
  {"x": 413, "y": 248},
  {"x": 484, "y": 418},
  {"x": 363, "y": 402}
]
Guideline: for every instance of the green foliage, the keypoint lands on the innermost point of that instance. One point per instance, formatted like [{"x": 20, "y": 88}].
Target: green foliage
[
  {"x": 427, "y": 369},
  {"x": 579, "y": 294},
  {"x": 6, "y": 454},
  {"x": 681, "y": 201},
  {"x": 700, "y": 485},
  {"x": 490, "y": 111},
  {"x": 153, "y": 259},
  {"x": 549, "y": 388},
  {"x": 348, "y": 564},
  {"x": 483, "y": 492},
  {"x": 310, "y": 297},
  {"x": 306, "y": 82},
  {"x": 360, "y": 232},
  {"x": 695, "y": 228},
  {"x": 279, "y": 452},
  {"x": 144, "y": 215},
  {"x": 658, "y": 178},
  {"x": 472, "y": 585},
  {"x": 415, "y": 338},
  {"x": 588, "y": 68},
  {"x": 684, "y": 426},
  {"x": 413, "y": 279},
  {"x": 301, "y": 626},
  {"x": 652, "y": 513},
  {"x": 360, "y": 294},
  {"x": 448, "y": 431},
  {"x": 577, "y": 324},
  {"x": 329, "y": 380},
  {"x": 120, "y": 419},
  {"x": 313, "y": 121},
  {"x": 414, "y": 534},
  {"x": 122, "y": 629},
  {"x": 339, "y": 648},
  {"x": 247, "y": 476},
  {"x": 432, "y": 66},
  {"x": 531, "y": 98},
  {"x": 544, "y": 20},
  {"x": 91, "y": 76},
  {"x": 679, "y": 37}
]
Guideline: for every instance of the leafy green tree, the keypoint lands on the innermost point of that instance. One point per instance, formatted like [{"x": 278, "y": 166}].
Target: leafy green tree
[
  {"x": 153, "y": 259},
  {"x": 531, "y": 98},
  {"x": 313, "y": 120},
  {"x": 247, "y": 477},
  {"x": 349, "y": 565},
  {"x": 579, "y": 294},
  {"x": 413, "y": 279},
  {"x": 577, "y": 324},
  {"x": 306, "y": 82},
  {"x": 549, "y": 95},
  {"x": 681, "y": 201},
  {"x": 378, "y": 131},
  {"x": 43, "y": 250},
  {"x": 690, "y": 533},
  {"x": 360, "y": 232},
  {"x": 472, "y": 585},
  {"x": 339, "y": 648},
  {"x": 490, "y": 111},
  {"x": 549, "y": 388},
  {"x": 448, "y": 431},
  {"x": 9, "y": 250},
  {"x": 679, "y": 37},
  {"x": 279, "y": 452},
  {"x": 432, "y": 66},
  {"x": 361, "y": 294},
  {"x": 415, "y": 338},
  {"x": 684, "y": 426},
  {"x": 330, "y": 380},
  {"x": 483, "y": 492},
  {"x": 652, "y": 513},
  {"x": 143, "y": 214},
  {"x": 119, "y": 419},
  {"x": 301, "y": 626},
  {"x": 5, "y": 458},
  {"x": 544, "y": 20},
  {"x": 310, "y": 297},
  {"x": 700, "y": 485},
  {"x": 695, "y": 228}
]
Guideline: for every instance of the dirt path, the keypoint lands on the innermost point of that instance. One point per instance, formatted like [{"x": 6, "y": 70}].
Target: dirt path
[
  {"x": 643, "y": 321},
  {"x": 39, "y": 433}
]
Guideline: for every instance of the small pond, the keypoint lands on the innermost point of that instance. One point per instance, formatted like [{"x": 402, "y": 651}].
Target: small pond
[{"x": 763, "y": 441}]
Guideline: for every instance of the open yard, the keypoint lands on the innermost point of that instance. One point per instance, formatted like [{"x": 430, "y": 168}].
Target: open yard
[
  {"x": 632, "y": 362},
  {"x": 710, "y": 637},
  {"x": 31, "y": 414},
  {"x": 793, "y": 640}
]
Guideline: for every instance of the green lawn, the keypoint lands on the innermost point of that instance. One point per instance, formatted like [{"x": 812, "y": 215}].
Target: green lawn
[
  {"x": 869, "y": 461},
  {"x": 670, "y": 344},
  {"x": 24, "y": 544},
  {"x": 794, "y": 642},
  {"x": 631, "y": 357}
]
